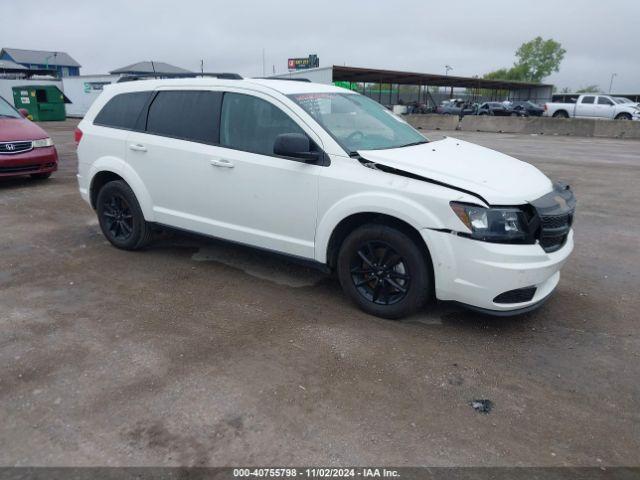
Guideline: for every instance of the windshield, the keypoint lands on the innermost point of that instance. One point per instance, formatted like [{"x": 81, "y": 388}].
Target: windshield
[
  {"x": 7, "y": 110},
  {"x": 358, "y": 123}
]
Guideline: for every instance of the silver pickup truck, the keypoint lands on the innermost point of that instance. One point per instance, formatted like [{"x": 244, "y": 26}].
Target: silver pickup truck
[{"x": 594, "y": 106}]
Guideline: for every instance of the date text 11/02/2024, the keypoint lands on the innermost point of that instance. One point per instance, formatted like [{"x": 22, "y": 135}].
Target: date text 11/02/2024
[{"x": 316, "y": 472}]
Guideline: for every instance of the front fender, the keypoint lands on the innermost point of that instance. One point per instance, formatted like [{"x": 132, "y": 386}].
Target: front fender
[
  {"x": 129, "y": 175},
  {"x": 402, "y": 208}
]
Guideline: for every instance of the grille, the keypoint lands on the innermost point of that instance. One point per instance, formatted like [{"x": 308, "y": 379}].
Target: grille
[
  {"x": 516, "y": 296},
  {"x": 10, "y": 148},
  {"x": 555, "y": 221},
  {"x": 554, "y": 217},
  {"x": 555, "y": 229}
]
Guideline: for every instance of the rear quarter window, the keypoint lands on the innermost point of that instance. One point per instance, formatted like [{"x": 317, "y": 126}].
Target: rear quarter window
[
  {"x": 123, "y": 110},
  {"x": 187, "y": 115}
]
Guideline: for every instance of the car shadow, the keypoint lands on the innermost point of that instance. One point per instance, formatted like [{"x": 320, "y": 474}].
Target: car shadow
[
  {"x": 9, "y": 183},
  {"x": 291, "y": 272}
]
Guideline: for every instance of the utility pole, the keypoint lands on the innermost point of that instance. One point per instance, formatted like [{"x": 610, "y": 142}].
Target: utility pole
[
  {"x": 264, "y": 72},
  {"x": 447, "y": 68},
  {"x": 611, "y": 82},
  {"x": 202, "y": 66}
]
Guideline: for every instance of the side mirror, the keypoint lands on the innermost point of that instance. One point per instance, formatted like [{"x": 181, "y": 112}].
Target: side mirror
[
  {"x": 295, "y": 145},
  {"x": 24, "y": 112}
]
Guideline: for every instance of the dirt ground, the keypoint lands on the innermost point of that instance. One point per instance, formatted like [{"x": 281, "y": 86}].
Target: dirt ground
[{"x": 195, "y": 352}]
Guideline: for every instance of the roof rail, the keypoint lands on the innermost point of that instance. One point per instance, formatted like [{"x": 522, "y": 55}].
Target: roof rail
[
  {"x": 151, "y": 75},
  {"x": 284, "y": 78}
]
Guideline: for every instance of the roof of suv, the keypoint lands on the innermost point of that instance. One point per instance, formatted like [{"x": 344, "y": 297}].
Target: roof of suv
[{"x": 286, "y": 87}]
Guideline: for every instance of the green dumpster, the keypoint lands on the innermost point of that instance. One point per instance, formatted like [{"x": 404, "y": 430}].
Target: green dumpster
[{"x": 45, "y": 103}]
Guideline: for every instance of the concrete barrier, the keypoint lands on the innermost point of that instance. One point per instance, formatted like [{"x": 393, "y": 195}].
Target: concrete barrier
[
  {"x": 530, "y": 125},
  {"x": 433, "y": 121},
  {"x": 576, "y": 127},
  {"x": 617, "y": 129}
]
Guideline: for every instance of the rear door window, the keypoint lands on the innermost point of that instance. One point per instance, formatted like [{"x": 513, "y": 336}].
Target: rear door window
[
  {"x": 186, "y": 114},
  {"x": 588, "y": 99},
  {"x": 123, "y": 110},
  {"x": 251, "y": 124}
]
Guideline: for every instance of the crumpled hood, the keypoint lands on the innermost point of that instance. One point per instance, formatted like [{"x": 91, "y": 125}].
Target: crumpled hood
[
  {"x": 19, "y": 129},
  {"x": 498, "y": 178}
]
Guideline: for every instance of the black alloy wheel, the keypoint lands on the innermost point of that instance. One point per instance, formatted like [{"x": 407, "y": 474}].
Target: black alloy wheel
[
  {"x": 379, "y": 274},
  {"x": 118, "y": 217},
  {"x": 385, "y": 270},
  {"x": 121, "y": 218}
]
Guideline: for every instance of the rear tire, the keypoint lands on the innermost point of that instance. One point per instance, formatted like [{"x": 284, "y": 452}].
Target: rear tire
[
  {"x": 40, "y": 176},
  {"x": 561, "y": 114},
  {"x": 384, "y": 271},
  {"x": 121, "y": 218}
]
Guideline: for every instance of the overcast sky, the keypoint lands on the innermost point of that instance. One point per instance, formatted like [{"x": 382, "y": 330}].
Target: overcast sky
[{"x": 474, "y": 37}]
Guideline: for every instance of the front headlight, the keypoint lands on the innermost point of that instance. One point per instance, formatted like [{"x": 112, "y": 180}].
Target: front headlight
[
  {"x": 505, "y": 225},
  {"x": 43, "y": 142}
]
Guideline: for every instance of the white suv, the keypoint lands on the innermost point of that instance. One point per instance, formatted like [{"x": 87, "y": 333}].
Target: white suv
[{"x": 327, "y": 175}]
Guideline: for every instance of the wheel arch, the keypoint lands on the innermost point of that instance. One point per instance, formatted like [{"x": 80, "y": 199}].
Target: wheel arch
[
  {"x": 355, "y": 210},
  {"x": 350, "y": 223},
  {"x": 108, "y": 169}
]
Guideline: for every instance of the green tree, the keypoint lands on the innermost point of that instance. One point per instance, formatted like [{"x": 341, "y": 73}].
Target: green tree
[
  {"x": 540, "y": 58},
  {"x": 589, "y": 89},
  {"x": 536, "y": 60}
]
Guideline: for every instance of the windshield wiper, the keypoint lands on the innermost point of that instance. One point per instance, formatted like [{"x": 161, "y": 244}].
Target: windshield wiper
[{"x": 419, "y": 142}]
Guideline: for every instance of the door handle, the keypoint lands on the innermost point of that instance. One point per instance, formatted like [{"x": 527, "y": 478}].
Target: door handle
[
  {"x": 221, "y": 162},
  {"x": 138, "y": 148}
]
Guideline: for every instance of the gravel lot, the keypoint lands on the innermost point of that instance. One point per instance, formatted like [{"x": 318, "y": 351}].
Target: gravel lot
[{"x": 195, "y": 352}]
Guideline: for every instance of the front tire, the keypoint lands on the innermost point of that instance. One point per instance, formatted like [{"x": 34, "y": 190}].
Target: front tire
[
  {"x": 384, "y": 271},
  {"x": 623, "y": 116},
  {"x": 121, "y": 218}
]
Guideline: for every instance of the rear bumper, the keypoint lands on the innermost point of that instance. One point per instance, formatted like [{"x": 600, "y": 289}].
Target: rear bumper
[
  {"x": 474, "y": 273},
  {"x": 38, "y": 160}
]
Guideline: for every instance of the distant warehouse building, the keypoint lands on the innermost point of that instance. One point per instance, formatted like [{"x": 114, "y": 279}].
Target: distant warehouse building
[
  {"x": 59, "y": 62},
  {"x": 150, "y": 68}
]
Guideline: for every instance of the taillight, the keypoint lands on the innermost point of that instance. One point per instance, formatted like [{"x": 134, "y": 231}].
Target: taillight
[
  {"x": 545, "y": 107},
  {"x": 77, "y": 135}
]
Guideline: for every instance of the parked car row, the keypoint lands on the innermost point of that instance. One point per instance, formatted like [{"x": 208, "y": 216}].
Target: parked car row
[
  {"x": 499, "y": 109},
  {"x": 583, "y": 106}
]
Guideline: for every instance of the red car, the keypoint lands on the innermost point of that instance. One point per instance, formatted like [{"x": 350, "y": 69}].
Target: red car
[{"x": 25, "y": 149}]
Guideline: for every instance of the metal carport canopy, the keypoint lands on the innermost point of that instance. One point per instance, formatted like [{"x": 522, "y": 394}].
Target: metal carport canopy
[{"x": 372, "y": 75}]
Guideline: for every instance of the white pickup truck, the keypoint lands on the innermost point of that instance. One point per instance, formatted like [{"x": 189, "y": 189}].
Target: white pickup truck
[{"x": 593, "y": 106}]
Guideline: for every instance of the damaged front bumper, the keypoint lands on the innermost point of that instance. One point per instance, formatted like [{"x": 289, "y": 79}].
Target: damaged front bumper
[{"x": 494, "y": 277}]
